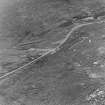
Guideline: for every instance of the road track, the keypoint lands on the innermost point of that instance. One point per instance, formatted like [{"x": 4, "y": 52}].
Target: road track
[{"x": 52, "y": 51}]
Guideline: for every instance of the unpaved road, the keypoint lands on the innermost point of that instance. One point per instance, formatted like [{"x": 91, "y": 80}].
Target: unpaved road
[{"x": 62, "y": 44}]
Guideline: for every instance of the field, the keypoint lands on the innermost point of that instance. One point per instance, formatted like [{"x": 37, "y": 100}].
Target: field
[{"x": 52, "y": 52}]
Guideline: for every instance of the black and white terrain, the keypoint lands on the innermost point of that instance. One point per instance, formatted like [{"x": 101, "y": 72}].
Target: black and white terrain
[{"x": 52, "y": 52}]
